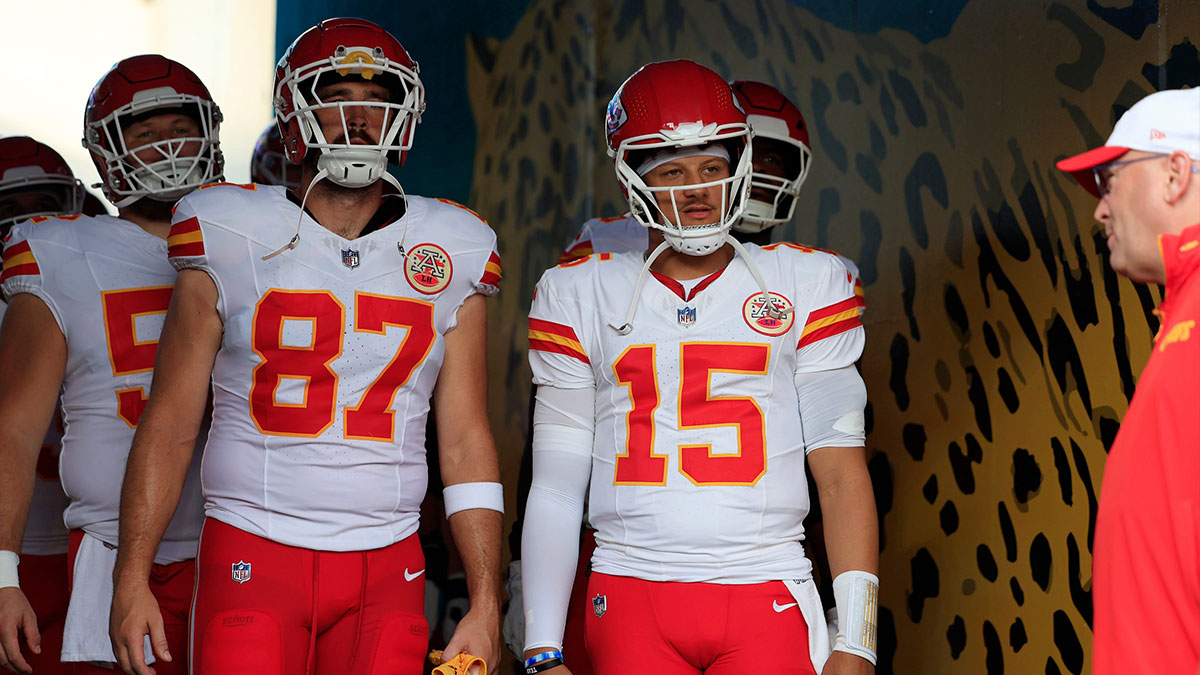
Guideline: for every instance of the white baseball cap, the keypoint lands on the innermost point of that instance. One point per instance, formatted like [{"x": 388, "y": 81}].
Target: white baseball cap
[{"x": 1161, "y": 123}]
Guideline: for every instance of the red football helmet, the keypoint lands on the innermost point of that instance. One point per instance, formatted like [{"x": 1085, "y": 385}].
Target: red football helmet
[
  {"x": 343, "y": 48},
  {"x": 778, "y": 121},
  {"x": 132, "y": 89},
  {"x": 677, "y": 105},
  {"x": 35, "y": 181},
  {"x": 269, "y": 164}
]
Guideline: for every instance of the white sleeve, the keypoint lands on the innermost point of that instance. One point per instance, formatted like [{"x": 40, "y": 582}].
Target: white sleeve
[
  {"x": 22, "y": 272},
  {"x": 831, "y": 408},
  {"x": 557, "y": 354},
  {"x": 832, "y": 336},
  {"x": 563, "y": 431}
]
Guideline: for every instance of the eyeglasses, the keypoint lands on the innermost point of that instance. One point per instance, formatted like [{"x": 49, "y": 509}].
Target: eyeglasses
[{"x": 1104, "y": 172}]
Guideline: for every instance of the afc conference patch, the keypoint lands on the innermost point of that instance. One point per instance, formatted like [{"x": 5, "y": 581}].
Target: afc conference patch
[
  {"x": 760, "y": 317},
  {"x": 241, "y": 571},
  {"x": 428, "y": 268}
]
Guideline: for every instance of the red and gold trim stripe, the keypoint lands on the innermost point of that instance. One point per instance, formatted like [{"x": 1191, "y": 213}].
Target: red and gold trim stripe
[
  {"x": 185, "y": 239},
  {"x": 860, "y": 296},
  {"x": 491, "y": 271},
  {"x": 576, "y": 252},
  {"x": 547, "y": 336},
  {"x": 251, "y": 187},
  {"x": 829, "y": 321},
  {"x": 19, "y": 260},
  {"x": 451, "y": 202}
]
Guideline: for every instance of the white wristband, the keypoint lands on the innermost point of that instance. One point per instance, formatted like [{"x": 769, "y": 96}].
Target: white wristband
[
  {"x": 479, "y": 495},
  {"x": 857, "y": 596},
  {"x": 8, "y": 569}
]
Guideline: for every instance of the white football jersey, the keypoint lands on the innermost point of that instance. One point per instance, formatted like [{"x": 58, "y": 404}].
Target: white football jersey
[
  {"x": 45, "y": 533},
  {"x": 607, "y": 235},
  {"x": 107, "y": 282},
  {"x": 698, "y": 468},
  {"x": 330, "y": 353},
  {"x": 624, "y": 233}
]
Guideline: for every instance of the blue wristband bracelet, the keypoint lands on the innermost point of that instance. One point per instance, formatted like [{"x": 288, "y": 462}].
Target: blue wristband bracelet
[{"x": 534, "y": 660}]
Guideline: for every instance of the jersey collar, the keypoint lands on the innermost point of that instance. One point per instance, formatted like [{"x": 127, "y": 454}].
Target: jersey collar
[{"x": 677, "y": 288}]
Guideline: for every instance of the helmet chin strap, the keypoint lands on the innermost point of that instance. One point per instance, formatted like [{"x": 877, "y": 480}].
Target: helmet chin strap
[
  {"x": 775, "y": 312},
  {"x": 624, "y": 328},
  {"x": 300, "y": 218},
  {"x": 322, "y": 173}
]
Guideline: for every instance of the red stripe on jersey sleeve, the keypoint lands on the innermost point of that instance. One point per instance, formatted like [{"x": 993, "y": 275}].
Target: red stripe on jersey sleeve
[
  {"x": 830, "y": 310},
  {"x": 577, "y": 251},
  {"x": 556, "y": 338},
  {"x": 185, "y": 239},
  {"x": 843, "y": 322},
  {"x": 18, "y": 260},
  {"x": 491, "y": 271}
]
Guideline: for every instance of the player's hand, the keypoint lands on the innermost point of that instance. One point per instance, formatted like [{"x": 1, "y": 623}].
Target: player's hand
[
  {"x": 135, "y": 614},
  {"x": 17, "y": 619},
  {"x": 478, "y": 634},
  {"x": 845, "y": 663}
]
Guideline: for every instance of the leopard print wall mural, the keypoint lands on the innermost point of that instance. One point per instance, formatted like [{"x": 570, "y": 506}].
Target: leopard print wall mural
[{"x": 1002, "y": 351}]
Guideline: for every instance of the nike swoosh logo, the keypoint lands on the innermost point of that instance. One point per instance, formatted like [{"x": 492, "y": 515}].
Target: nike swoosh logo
[
  {"x": 779, "y": 608},
  {"x": 410, "y": 577}
]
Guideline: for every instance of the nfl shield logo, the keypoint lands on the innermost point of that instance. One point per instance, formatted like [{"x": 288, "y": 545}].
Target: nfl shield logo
[
  {"x": 241, "y": 572},
  {"x": 599, "y": 605},
  {"x": 687, "y": 316},
  {"x": 350, "y": 258}
]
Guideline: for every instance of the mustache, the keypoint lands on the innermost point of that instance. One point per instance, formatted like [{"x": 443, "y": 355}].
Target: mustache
[
  {"x": 696, "y": 202},
  {"x": 356, "y": 133}
]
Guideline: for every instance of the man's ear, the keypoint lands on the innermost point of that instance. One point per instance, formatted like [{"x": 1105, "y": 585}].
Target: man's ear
[{"x": 1179, "y": 177}]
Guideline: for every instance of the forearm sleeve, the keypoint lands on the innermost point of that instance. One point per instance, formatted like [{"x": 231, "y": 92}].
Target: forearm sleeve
[{"x": 563, "y": 431}]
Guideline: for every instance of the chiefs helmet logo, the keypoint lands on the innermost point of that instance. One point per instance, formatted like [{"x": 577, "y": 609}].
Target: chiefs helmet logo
[
  {"x": 428, "y": 268},
  {"x": 760, "y": 317},
  {"x": 615, "y": 117}
]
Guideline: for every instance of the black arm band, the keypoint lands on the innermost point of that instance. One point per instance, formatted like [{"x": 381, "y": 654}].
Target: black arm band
[{"x": 543, "y": 665}]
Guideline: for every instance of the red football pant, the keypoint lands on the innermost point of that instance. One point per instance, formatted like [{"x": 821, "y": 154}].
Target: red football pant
[
  {"x": 574, "y": 645},
  {"x": 172, "y": 587},
  {"x": 44, "y": 582},
  {"x": 687, "y": 629},
  {"x": 304, "y": 611}
]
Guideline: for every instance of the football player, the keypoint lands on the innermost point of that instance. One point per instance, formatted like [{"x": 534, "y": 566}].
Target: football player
[
  {"x": 782, "y": 157},
  {"x": 35, "y": 181},
  {"x": 269, "y": 164},
  {"x": 781, "y": 160},
  {"x": 326, "y": 322},
  {"x": 86, "y": 301},
  {"x": 691, "y": 415}
]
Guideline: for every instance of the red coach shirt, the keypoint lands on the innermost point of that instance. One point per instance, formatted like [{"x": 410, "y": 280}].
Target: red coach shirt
[{"x": 1146, "y": 565}]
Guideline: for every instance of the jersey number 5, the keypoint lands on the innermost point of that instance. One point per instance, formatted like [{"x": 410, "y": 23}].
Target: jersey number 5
[
  {"x": 126, "y": 353},
  {"x": 372, "y": 418},
  {"x": 698, "y": 409}
]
